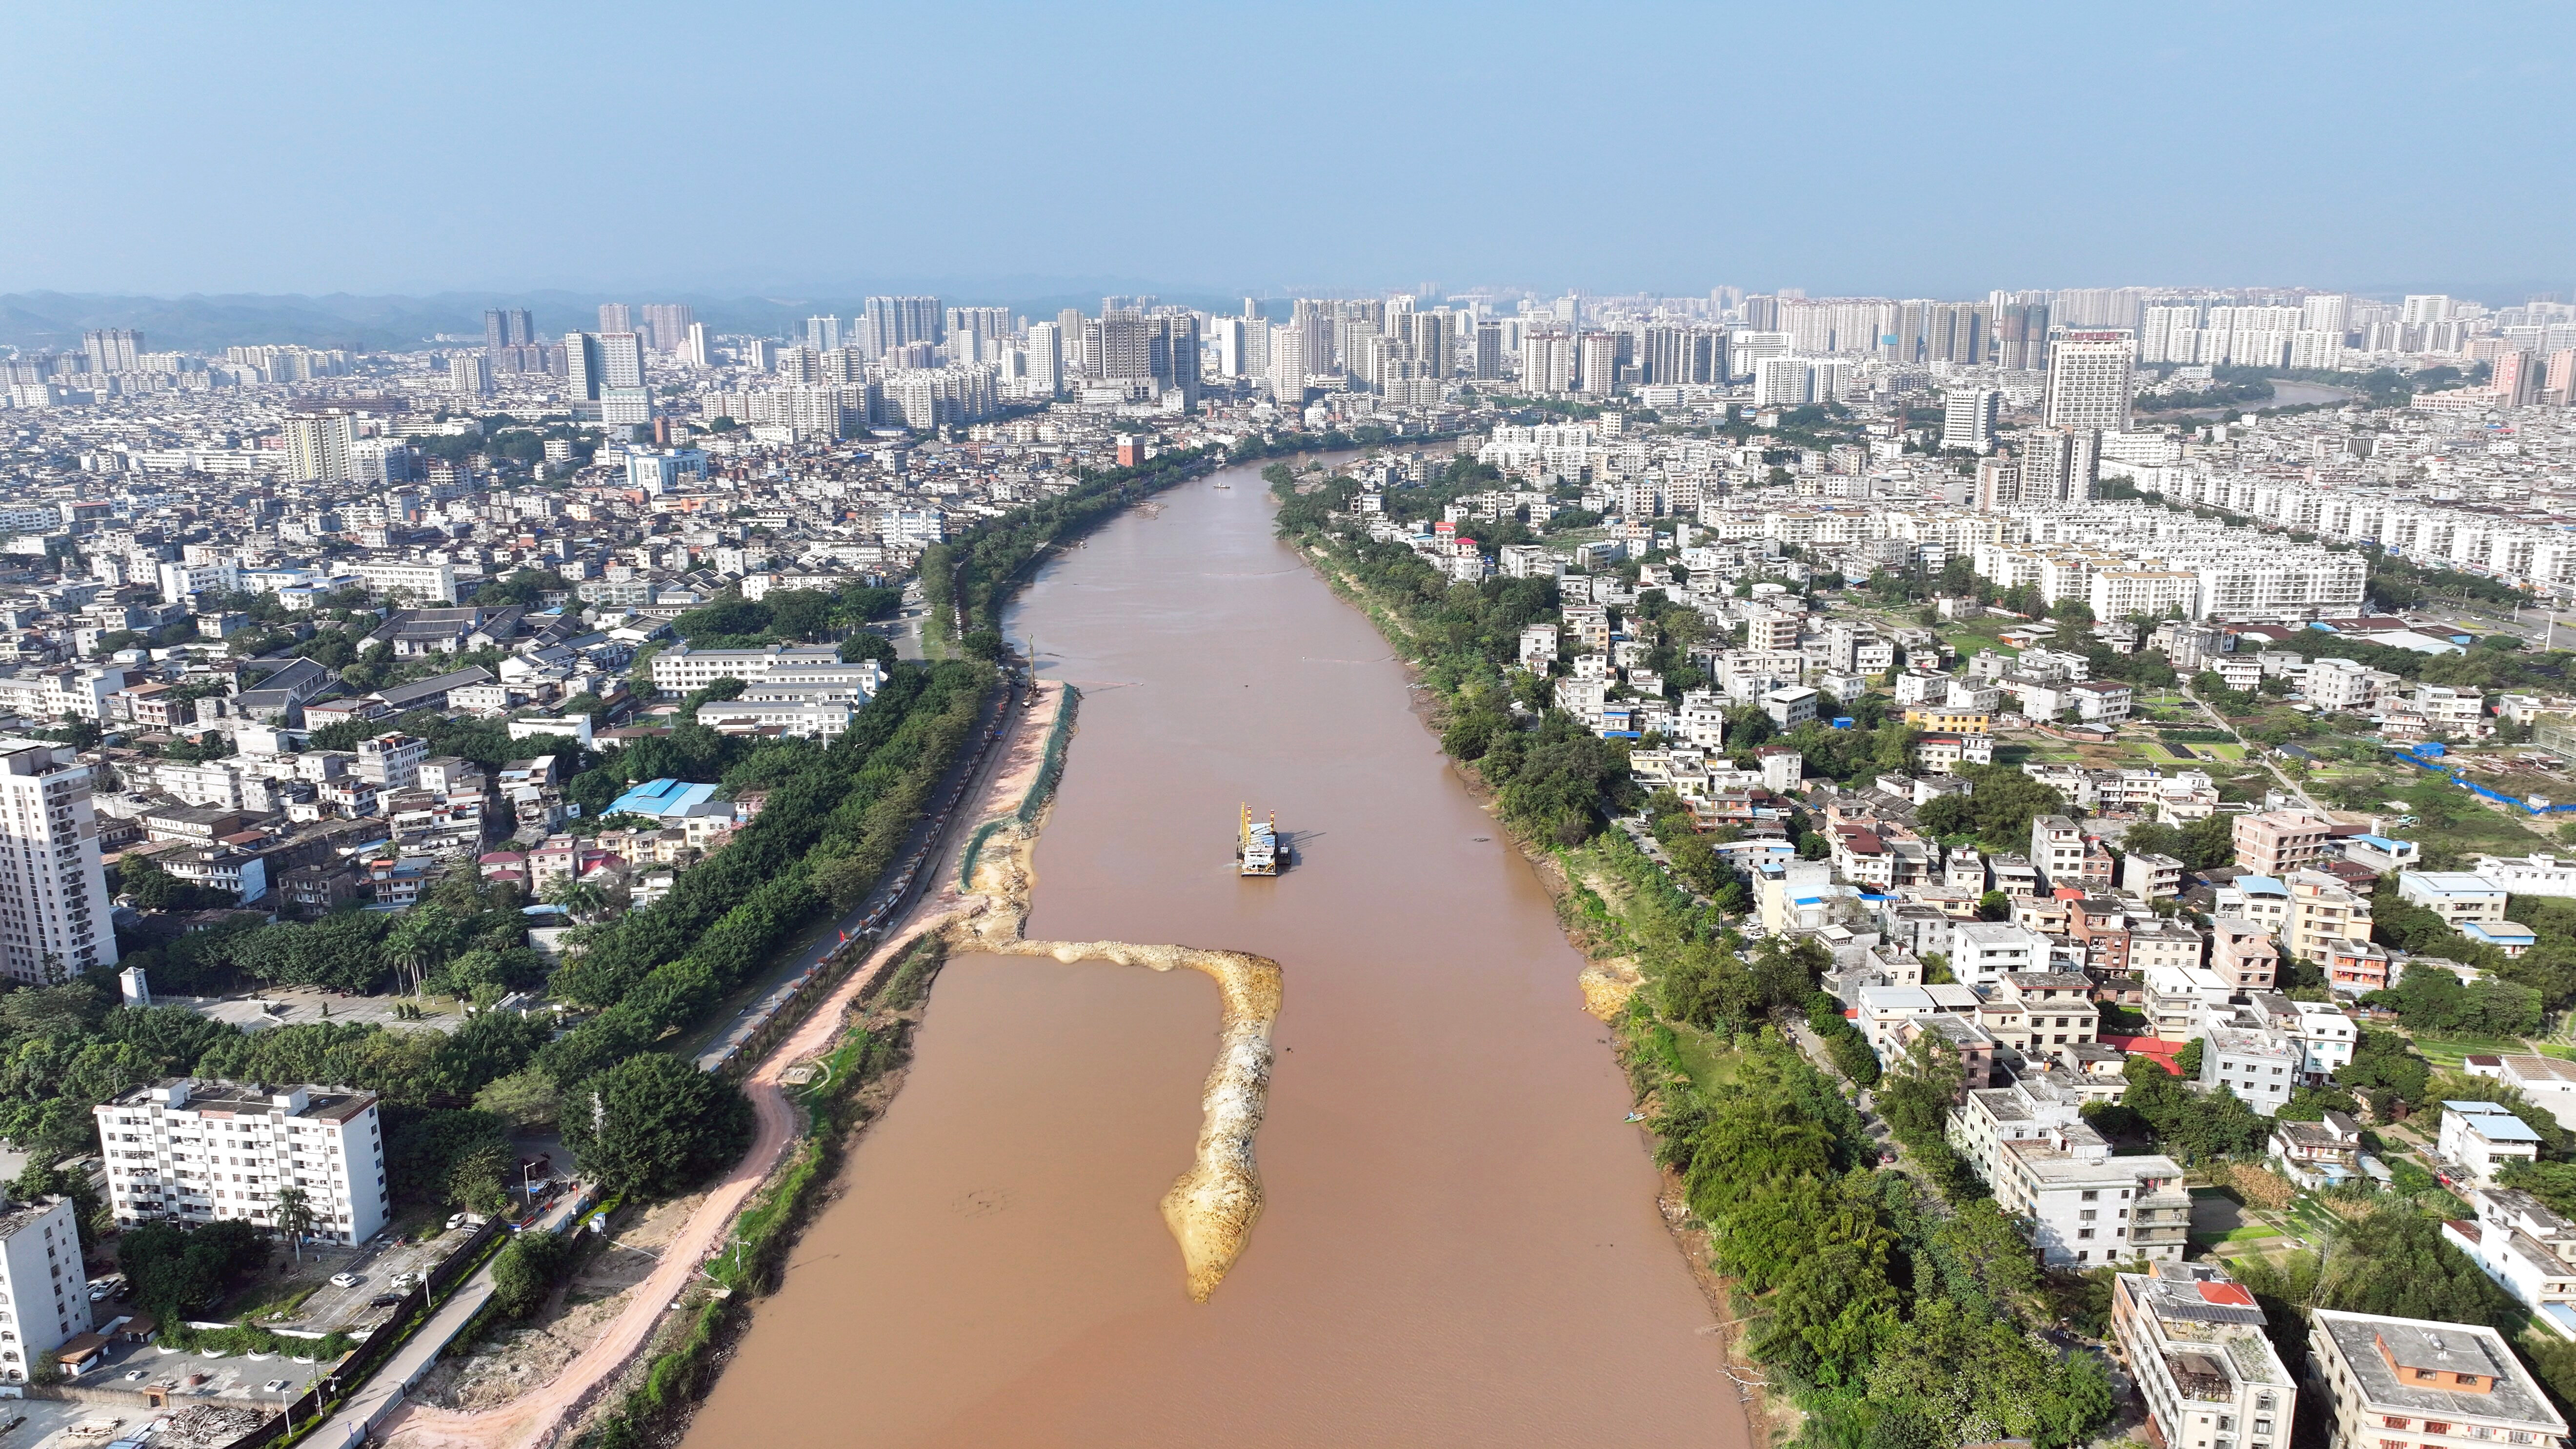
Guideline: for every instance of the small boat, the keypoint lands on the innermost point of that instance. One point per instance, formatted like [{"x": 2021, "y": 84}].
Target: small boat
[
  {"x": 1256, "y": 845},
  {"x": 1636, "y": 1116},
  {"x": 1225, "y": 485}
]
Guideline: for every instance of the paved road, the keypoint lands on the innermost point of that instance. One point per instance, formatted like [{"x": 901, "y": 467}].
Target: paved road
[
  {"x": 905, "y": 880},
  {"x": 398, "y": 1373}
]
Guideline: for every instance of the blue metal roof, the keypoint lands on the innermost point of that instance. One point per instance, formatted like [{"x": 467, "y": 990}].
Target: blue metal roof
[{"x": 659, "y": 798}]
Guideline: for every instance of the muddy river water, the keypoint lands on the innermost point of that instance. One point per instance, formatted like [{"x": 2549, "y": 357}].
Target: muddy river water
[{"x": 1460, "y": 1244}]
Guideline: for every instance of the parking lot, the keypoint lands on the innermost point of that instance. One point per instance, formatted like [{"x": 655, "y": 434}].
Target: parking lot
[
  {"x": 234, "y": 1377},
  {"x": 331, "y": 1307}
]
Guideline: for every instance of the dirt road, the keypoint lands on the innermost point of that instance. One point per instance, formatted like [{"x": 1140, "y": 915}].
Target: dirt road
[{"x": 540, "y": 1418}]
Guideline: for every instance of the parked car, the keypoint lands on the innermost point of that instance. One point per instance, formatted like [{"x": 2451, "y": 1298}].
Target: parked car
[
  {"x": 384, "y": 1300},
  {"x": 273, "y": 1386},
  {"x": 344, "y": 1280}
]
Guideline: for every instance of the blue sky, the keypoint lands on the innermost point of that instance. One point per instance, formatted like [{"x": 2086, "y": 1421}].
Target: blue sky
[{"x": 1918, "y": 149}]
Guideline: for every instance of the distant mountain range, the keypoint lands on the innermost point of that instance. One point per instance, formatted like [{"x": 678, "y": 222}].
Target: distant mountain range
[{"x": 55, "y": 320}]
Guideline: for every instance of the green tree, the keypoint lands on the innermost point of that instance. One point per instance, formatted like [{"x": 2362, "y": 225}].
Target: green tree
[
  {"x": 1917, "y": 1093},
  {"x": 293, "y": 1215},
  {"x": 527, "y": 1098},
  {"x": 525, "y": 1272},
  {"x": 655, "y": 1126}
]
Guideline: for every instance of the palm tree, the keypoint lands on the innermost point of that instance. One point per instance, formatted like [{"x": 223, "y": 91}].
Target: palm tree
[
  {"x": 294, "y": 1217},
  {"x": 579, "y": 897}
]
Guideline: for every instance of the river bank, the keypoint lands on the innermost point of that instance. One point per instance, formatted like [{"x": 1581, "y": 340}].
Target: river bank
[{"x": 1609, "y": 980}]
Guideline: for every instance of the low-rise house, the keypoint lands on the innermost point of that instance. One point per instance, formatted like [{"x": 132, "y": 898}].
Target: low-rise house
[
  {"x": 2528, "y": 875},
  {"x": 2150, "y": 877},
  {"x": 2457, "y": 896},
  {"x": 2511, "y": 937},
  {"x": 2257, "y": 1065},
  {"x": 2426, "y": 1385},
  {"x": 2546, "y": 1082},
  {"x": 2483, "y": 1138},
  {"x": 2527, "y": 1248},
  {"x": 2355, "y": 968},
  {"x": 2317, "y": 1155},
  {"x": 2193, "y": 1340},
  {"x": 2243, "y": 954}
]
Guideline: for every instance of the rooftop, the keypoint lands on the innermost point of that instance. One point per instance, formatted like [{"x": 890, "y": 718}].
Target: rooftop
[{"x": 2451, "y": 1348}]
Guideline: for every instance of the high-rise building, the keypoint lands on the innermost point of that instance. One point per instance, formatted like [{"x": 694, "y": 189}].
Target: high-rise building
[
  {"x": 1677, "y": 354},
  {"x": 164, "y": 1142},
  {"x": 823, "y": 333},
  {"x": 582, "y": 366},
  {"x": 1487, "y": 365},
  {"x": 52, "y": 887},
  {"x": 987, "y": 325},
  {"x": 1126, "y": 351},
  {"x": 899, "y": 320},
  {"x": 1597, "y": 364},
  {"x": 1231, "y": 348},
  {"x": 1172, "y": 341},
  {"x": 1547, "y": 361},
  {"x": 38, "y": 1311},
  {"x": 2021, "y": 336},
  {"x": 1435, "y": 342},
  {"x": 760, "y": 354},
  {"x": 621, "y": 359},
  {"x": 2089, "y": 380},
  {"x": 507, "y": 327},
  {"x": 1956, "y": 332},
  {"x": 693, "y": 346},
  {"x": 1288, "y": 364},
  {"x": 1045, "y": 353},
  {"x": 321, "y": 449},
  {"x": 469, "y": 373},
  {"x": 112, "y": 349},
  {"x": 2060, "y": 465},
  {"x": 1968, "y": 418},
  {"x": 2515, "y": 378},
  {"x": 2326, "y": 312},
  {"x": 616, "y": 317},
  {"x": 666, "y": 324}
]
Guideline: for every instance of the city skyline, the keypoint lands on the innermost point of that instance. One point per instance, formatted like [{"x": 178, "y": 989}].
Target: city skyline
[{"x": 1749, "y": 153}]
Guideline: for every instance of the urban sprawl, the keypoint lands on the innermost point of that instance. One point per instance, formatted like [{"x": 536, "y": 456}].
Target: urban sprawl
[{"x": 2202, "y": 642}]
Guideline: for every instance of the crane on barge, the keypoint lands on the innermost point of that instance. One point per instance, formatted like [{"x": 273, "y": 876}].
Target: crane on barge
[{"x": 1256, "y": 844}]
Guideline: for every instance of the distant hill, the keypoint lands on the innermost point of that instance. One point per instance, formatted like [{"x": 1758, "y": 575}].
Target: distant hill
[{"x": 56, "y": 320}]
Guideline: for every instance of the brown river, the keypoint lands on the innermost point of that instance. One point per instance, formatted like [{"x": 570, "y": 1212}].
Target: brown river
[{"x": 1460, "y": 1244}]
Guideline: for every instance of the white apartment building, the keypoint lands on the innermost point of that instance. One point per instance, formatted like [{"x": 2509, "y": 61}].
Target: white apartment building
[
  {"x": 2078, "y": 1204},
  {"x": 1982, "y": 952},
  {"x": 2089, "y": 380},
  {"x": 53, "y": 891},
  {"x": 201, "y": 1151},
  {"x": 2529, "y": 1250},
  {"x": 2484, "y": 1138},
  {"x": 2528, "y": 875},
  {"x": 683, "y": 670},
  {"x": 2423, "y": 1385},
  {"x": 2193, "y": 1340},
  {"x": 425, "y": 582},
  {"x": 42, "y": 1301},
  {"x": 2257, "y": 1066},
  {"x": 392, "y": 760},
  {"x": 793, "y": 718}
]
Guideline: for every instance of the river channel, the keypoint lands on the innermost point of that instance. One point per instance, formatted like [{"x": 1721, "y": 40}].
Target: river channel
[{"x": 1459, "y": 1245}]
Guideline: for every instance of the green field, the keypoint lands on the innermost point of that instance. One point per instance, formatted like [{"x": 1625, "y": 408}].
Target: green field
[{"x": 2451, "y": 1051}]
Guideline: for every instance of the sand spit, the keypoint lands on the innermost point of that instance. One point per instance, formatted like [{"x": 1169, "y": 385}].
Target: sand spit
[{"x": 1211, "y": 1207}]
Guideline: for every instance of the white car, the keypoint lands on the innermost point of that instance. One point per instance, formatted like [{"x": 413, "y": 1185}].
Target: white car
[
  {"x": 136, "y": 1376},
  {"x": 273, "y": 1386},
  {"x": 344, "y": 1280}
]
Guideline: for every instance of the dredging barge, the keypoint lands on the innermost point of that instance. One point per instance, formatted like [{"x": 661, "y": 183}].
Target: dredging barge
[{"x": 1257, "y": 850}]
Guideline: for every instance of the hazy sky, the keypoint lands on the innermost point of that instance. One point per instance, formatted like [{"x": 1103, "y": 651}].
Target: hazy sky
[{"x": 1916, "y": 149}]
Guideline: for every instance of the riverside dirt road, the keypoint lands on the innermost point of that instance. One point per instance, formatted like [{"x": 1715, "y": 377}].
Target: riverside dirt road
[{"x": 540, "y": 1418}]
